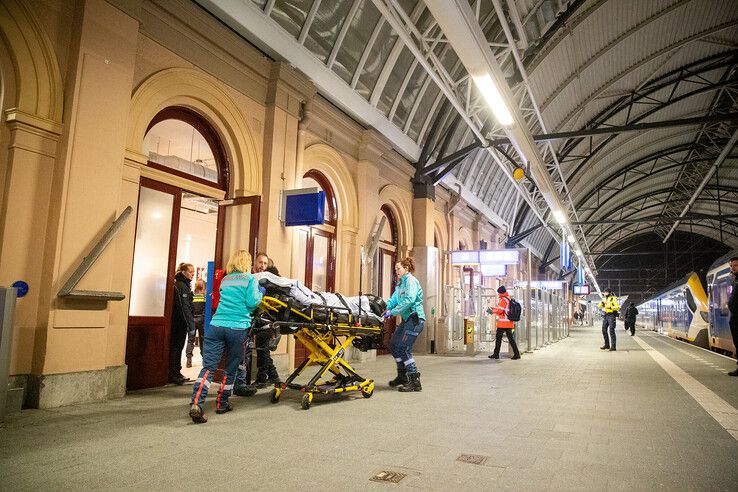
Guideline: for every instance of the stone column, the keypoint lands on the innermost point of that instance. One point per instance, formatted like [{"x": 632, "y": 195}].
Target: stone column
[
  {"x": 426, "y": 261},
  {"x": 77, "y": 336},
  {"x": 283, "y": 146}
]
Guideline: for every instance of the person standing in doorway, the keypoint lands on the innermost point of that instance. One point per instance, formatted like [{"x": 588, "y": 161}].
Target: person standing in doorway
[
  {"x": 733, "y": 308},
  {"x": 630, "y": 318},
  {"x": 183, "y": 321},
  {"x": 406, "y": 301},
  {"x": 505, "y": 326},
  {"x": 198, "y": 303},
  {"x": 611, "y": 307},
  {"x": 239, "y": 295},
  {"x": 266, "y": 372}
]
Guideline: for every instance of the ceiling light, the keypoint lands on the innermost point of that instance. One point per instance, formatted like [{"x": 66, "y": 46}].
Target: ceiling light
[
  {"x": 559, "y": 216},
  {"x": 578, "y": 252},
  {"x": 493, "y": 97},
  {"x": 570, "y": 238}
]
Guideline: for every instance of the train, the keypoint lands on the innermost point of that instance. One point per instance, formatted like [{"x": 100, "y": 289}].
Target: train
[{"x": 686, "y": 311}]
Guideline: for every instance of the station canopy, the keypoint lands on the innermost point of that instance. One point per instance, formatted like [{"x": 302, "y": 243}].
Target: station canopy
[{"x": 621, "y": 113}]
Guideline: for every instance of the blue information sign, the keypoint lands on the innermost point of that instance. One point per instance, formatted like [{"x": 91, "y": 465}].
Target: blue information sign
[{"x": 21, "y": 287}]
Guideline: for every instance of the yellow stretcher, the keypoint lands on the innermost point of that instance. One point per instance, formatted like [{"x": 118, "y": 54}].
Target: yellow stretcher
[{"x": 325, "y": 332}]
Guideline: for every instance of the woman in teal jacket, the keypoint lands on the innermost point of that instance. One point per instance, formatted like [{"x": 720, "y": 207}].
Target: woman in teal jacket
[
  {"x": 406, "y": 301},
  {"x": 239, "y": 295}
]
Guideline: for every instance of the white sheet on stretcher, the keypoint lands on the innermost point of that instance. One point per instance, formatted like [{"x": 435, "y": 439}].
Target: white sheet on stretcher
[{"x": 307, "y": 297}]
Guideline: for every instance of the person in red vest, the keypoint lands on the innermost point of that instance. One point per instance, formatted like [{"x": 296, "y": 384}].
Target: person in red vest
[{"x": 504, "y": 325}]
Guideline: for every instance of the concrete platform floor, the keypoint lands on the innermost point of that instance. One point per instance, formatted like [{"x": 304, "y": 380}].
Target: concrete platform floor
[{"x": 655, "y": 415}]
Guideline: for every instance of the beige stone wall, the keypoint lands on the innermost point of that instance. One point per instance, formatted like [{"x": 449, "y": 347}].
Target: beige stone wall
[{"x": 87, "y": 79}]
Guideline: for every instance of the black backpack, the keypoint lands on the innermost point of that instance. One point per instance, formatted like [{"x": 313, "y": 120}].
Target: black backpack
[{"x": 516, "y": 310}]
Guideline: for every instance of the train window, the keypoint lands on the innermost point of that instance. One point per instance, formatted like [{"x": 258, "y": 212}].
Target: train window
[{"x": 690, "y": 300}]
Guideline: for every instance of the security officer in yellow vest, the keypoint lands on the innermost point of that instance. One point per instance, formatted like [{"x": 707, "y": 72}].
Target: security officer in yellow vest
[{"x": 611, "y": 307}]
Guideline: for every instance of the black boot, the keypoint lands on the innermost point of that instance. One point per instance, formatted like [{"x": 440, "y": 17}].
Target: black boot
[
  {"x": 400, "y": 380},
  {"x": 261, "y": 379},
  {"x": 273, "y": 377},
  {"x": 413, "y": 383}
]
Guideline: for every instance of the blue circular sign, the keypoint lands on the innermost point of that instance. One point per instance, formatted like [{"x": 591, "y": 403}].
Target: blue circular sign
[{"x": 21, "y": 286}]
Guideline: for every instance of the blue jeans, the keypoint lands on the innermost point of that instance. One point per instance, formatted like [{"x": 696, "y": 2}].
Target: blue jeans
[
  {"x": 402, "y": 345},
  {"x": 243, "y": 375},
  {"x": 608, "y": 324},
  {"x": 217, "y": 340}
]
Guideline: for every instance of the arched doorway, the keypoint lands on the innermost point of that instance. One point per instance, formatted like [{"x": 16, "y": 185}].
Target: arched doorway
[
  {"x": 384, "y": 268},
  {"x": 179, "y": 220},
  {"x": 315, "y": 251}
]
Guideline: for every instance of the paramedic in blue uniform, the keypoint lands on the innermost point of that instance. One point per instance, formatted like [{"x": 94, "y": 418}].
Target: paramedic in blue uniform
[
  {"x": 239, "y": 295},
  {"x": 611, "y": 307},
  {"x": 733, "y": 307},
  {"x": 406, "y": 301},
  {"x": 505, "y": 326}
]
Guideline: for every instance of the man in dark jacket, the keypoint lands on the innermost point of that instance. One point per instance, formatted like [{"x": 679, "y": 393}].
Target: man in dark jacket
[
  {"x": 733, "y": 307},
  {"x": 183, "y": 320},
  {"x": 630, "y": 318}
]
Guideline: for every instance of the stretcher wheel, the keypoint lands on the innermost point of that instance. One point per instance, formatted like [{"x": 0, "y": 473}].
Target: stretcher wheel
[
  {"x": 367, "y": 391},
  {"x": 274, "y": 398},
  {"x": 307, "y": 400}
]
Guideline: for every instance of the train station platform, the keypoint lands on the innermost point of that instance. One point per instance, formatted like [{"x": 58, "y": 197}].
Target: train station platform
[{"x": 655, "y": 415}]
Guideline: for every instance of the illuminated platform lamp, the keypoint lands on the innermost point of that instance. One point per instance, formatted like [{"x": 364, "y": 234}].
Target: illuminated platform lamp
[{"x": 519, "y": 174}]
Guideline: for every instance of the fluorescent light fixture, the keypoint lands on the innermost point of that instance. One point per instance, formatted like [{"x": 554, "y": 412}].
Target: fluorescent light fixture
[
  {"x": 578, "y": 252},
  {"x": 493, "y": 97},
  {"x": 570, "y": 238},
  {"x": 559, "y": 216}
]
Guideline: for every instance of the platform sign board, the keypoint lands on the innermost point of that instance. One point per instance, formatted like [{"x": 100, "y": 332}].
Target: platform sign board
[
  {"x": 494, "y": 270},
  {"x": 464, "y": 258},
  {"x": 542, "y": 284},
  {"x": 499, "y": 257},
  {"x": 581, "y": 290}
]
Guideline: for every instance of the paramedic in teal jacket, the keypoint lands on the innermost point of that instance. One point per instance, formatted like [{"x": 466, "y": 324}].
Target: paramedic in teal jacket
[
  {"x": 407, "y": 302},
  {"x": 239, "y": 295}
]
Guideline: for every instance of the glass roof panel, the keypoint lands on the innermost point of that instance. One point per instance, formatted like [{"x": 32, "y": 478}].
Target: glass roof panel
[
  {"x": 395, "y": 81},
  {"x": 376, "y": 60},
  {"x": 325, "y": 28},
  {"x": 357, "y": 38},
  {"x": 410, "y": 95},
  {"x": 423, "y": 111},
  {"x": 290, "y": 14}
]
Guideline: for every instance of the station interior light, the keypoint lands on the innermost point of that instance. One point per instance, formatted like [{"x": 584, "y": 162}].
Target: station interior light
[
  {"x": 559, "y": 216},
  {"x": 493, "y": 97},
  {"x": 570, "y": 238}
]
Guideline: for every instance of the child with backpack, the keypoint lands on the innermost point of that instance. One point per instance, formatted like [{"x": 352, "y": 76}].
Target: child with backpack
[{"x": 508, "y": 311}]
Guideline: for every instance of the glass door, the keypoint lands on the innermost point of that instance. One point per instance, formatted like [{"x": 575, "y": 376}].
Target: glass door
[{"x": 152, "y": 284}]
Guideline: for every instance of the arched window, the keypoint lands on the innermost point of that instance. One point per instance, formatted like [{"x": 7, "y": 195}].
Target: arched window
[
  {"x": 386, "y": 255},
  {"x": 316, "y": 248},
  {"x": 181, "y": 142}
]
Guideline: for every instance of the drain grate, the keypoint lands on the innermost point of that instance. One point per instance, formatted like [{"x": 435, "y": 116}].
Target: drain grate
[
  {"x": 474, "y": 459},
  {"x": 388, "y": 476}
]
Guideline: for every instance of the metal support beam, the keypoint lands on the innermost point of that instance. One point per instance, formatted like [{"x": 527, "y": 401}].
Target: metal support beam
[
  {"x": 708, "y": 176},
  {"x": 659, "y": 218},
  {"x": 512, "y": 241},
  {"x": 461, "y": 153},
  {"x": 645, "y": 253},
  {"x": 611, "y": 130}
]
